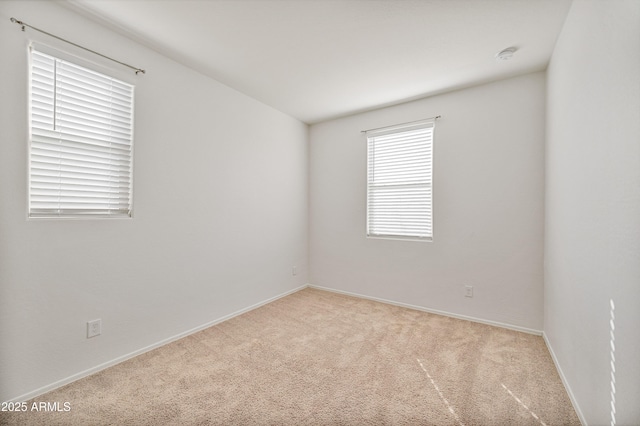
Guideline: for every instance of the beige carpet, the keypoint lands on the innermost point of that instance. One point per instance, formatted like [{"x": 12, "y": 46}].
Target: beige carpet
[{"x": 318, "y": 358}]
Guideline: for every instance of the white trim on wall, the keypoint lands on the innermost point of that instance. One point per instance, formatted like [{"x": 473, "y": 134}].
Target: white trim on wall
[
  {"x": 433, "y": 311},
  {"x": 574, "y": 402},
  {"x": 118, "y": 360}
]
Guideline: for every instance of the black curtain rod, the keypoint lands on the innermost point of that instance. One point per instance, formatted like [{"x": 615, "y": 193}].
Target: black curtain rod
[{"x": 24, "y": 24}]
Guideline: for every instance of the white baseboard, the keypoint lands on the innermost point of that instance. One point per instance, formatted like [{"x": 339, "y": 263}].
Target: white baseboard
[
  {"x": 93, "y": 370},
  {"x": 432, "y": 311},
  {"x": 574, "y": 402},
  {"x": 97, "y": 368}
]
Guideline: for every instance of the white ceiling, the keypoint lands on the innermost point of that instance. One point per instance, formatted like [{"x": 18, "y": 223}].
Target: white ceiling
[{"x": 320, "y": 59}]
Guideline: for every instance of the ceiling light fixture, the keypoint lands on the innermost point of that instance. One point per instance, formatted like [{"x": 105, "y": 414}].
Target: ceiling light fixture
[{"x": 506, "y": 54}]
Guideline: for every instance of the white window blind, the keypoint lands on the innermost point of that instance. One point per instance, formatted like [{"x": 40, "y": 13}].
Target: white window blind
[
  {"x": 399, "y": 178},
  {"x": 80, "y": 149}
]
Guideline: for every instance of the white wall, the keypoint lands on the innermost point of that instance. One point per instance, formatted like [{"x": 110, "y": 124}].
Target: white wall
[
  {"x": 220, "y": 200},
  {"x": 592, "y": 240},
  {"x": 488, "y": 207}
]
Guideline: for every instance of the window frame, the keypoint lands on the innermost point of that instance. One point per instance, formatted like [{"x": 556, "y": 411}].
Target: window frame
[
  {"x": 35, "y": 213},
  {"x": 415, "y": 182}
]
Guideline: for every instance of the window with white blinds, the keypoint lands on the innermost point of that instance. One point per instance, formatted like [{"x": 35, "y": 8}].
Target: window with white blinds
[
  {"x": 80, "y": 152},
  {"x": 399, "y": 178}
]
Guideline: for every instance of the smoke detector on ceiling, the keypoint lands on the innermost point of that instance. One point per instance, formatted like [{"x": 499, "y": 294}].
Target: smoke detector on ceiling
[{"x": 506, "y": 54}]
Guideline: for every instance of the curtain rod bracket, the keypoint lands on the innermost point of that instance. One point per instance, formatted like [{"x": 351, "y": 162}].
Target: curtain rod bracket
[{"x": 15, "y": 21}]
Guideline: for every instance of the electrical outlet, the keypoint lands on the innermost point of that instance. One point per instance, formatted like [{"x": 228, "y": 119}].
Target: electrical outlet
[
  {"x": 468, "y": 291},
  {"x": 294, "y": 270},
  {"x": 94, "y": 328}
]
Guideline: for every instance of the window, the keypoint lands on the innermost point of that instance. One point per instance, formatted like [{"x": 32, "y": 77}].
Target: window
[
  {"x": 399, "y": 176},
  {"x": 81, "y": 134}
]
